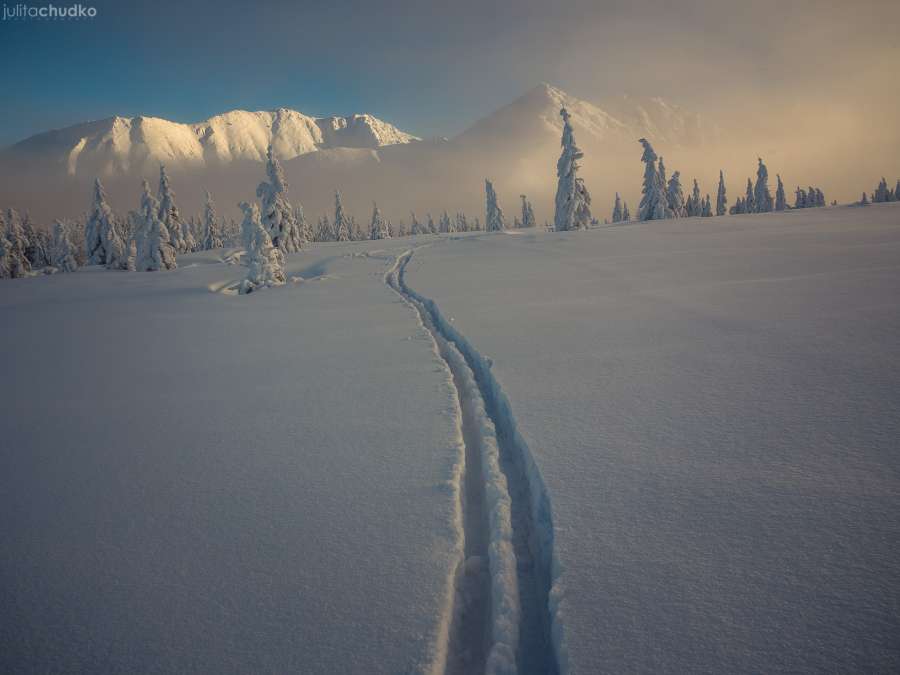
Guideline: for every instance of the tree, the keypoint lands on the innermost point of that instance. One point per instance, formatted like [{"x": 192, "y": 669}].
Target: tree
[
  {"x": 103, "y": 244},
  {"x": 865, "y": 200},
  {"x": 17, "y": 260},
  {"x": 445, "y": 224},
  {"x": 721, "y": 198},
  {"x": 341, "y": 225},
  {"x": 780, "y": 201},
  {"x": 37, "y": 245},
  {"x": 675, "y": 197},
  {"x": 662, "y": 173},
  {"x": 378, "y": 229},
  {"x": 626, "y": 214},
  {"x": 573, "y": 202},
  {"x": 5, "y": 257},
  {"x": 265, "y": 262},
  {"x": 179, "y": 234},
  {"x": 493, "y": 221},
  {"x": 462, "y": 224},
  {"x": 749, "y": 201},
  {"x": 653, "y": 200},
  {"x": 62, "y": 251},
  {"x": 881, "y": 192},
  {"x": 153, "y": 247},
  {"x": 820, "y": 197},
  {"x": 799, "y": 198},
  {"x": 617, "y": 210},
  {"x": 304, "y": 227},
  {"x": 527, "y": 213},
  {"x": 762, "y": 198},
  {"x": 430, "y": 226},
  {"x": 212, "y": 233},
  {"x": 276, "y": 213},
  {"x": 696, "y": 200}
]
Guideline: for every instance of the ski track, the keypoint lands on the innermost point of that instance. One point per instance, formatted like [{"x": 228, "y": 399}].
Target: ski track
[{"x": 505, "y": 520}]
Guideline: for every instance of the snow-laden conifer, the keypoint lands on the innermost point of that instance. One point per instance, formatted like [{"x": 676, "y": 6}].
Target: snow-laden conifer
[
  {"x": 494, "y": 221},
  {"x": 573, "y": 202},
  {"x": 653, "y": 200},
  {"x": 528, "y": 219},
  {"x": 170, "y": 216},
  {"x": 762, "y": 198},
  {"x": 626, "y": 214},
  {"x": 749, "y": 201},
  {"x": 103, "y": 245},
  {"x": 341, "y": 224},
  {"x": 617, "y": 210},
  {"x": 721, "y": 196},
  {"x": 212, "y": 232},
  {"x": 62, "y": 250},
  {"x": 378, "y": 228},
  {"x": 675, "y": 196},
  {"x": 265, "y": 262},
  {"x": 153, "y": 248},
  {"x": 780, "y": 201},
  {"x": 276, "y": 212}
]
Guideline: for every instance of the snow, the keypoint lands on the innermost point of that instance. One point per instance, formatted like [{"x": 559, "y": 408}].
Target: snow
[
  {"x": 418, "y": 454},
  {"x": 273, "y": 495},
  {"x": 712, "y": 409},
  {"x": 123, "y": 144}
]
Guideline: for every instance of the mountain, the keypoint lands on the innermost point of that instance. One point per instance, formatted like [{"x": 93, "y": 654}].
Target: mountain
[
  {"x": 136, "y": 144},
  {"x": 367, "y": 159}
]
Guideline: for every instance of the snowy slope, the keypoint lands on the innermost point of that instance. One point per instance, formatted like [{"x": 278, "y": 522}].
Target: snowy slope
[
  {"x": 194, "y": 481},
  {"x": 712, "y": 409},
  {"x": 136, "y": 144}
]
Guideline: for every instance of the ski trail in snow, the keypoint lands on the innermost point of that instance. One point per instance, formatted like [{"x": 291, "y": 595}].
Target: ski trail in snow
[{"x": 525, "y": 632}]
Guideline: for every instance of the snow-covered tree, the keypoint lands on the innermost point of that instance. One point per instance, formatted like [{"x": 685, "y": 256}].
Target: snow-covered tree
[
  {"x": 378, "y": 228},
  {"x": 706, "y": 208},
  {"x": 5, "y": 257},
  {"x": 179, "y": 233},
  {"x": 696, "y": 208},
  {"x": 662, "y": 172},
  {"x": 402, "y": 229},
  {"x": 37, "y": 246},
  {"x": 762, "y": 198},
  {"x": 276, "y": 212},
  {"x": 18, "y": 243},
  {"x": 153, "y": 248},
  {"x": 626, "y": 214},
  {"x": 675, "y": 197},
  {"x": 820, "y": 197},
  {"x": 881, "y": 192},
  {"x": 865, "y": 200},
  {"x": 103, "y": 244},
  {"x": 445, "y": 224},
  {"x": 494, "y": 221},
  {"x": 573, "y": 202},
  {"x": 780, "y": 201},
  {"x": 749, "y": 201},
  {"x": 212, "y": 233},
  {"x": 799, "y": 198},
  {"x": 324, "y": 232},
  {"x": 721, "y": 197},
  {"x": 527, "y": 213},
  {"x": 429, "y": 224},
  {"x": 617, "y": 210},
  {"x": 265, "y": 262},
  {"x": 653, "y": 200},
  {"x": 462, "y": 224},
  {"x": 341, "y": 225},
  {"x": 62, "y": 250},
  {"x": 303, "y": 225}
]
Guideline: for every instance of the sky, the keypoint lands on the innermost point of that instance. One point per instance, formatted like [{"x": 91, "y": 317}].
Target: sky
[{"x": 434, "y": 68}]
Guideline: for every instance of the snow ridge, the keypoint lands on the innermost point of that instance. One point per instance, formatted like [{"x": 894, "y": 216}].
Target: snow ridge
[{"x": 526, "y": 620}]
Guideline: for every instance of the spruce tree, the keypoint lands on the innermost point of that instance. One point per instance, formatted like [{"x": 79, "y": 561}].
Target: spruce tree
[
  {"x": 617, "y": 210},
  {"x": 276, "y": 213},
  {"x": 780, "y": 201},
  {"x": 169, "y": 215},
  {"x": 378, "y": 228},
  {"x": 675, "y": 197},
  {"x": 212, "y": 232},
  {"x": 762, "y": 198},
  {"x": 626, "y": 214},
  {"x": 15, "y": 235},
  {"x": 721, "y": 198},
  {"x": 527, "y": 213},
  {"x": 653, "y": 200},
  {"x": 62, "y": 251},
  {"x": 103, "y": 244},
  {"x": 749, "y": 203},
  {"x": 573, "y": 201},
  {"x": 153, "y": 248},
  {"x": 341, "y": 224},
  {"x": 494, "y": 221},
  {"x": 265, "y": 262}
]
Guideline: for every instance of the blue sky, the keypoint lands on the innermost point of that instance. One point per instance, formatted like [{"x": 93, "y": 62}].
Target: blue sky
[{"x": 429, "y": 68}]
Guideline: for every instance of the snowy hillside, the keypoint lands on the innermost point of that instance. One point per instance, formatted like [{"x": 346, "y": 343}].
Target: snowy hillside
[
  {"x": 138, "y": 144},
  {"x": 656, "y": 447}
]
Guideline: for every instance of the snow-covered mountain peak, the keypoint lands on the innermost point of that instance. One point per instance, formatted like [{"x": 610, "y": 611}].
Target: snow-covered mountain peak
[{"x": 122, "y": 144}]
